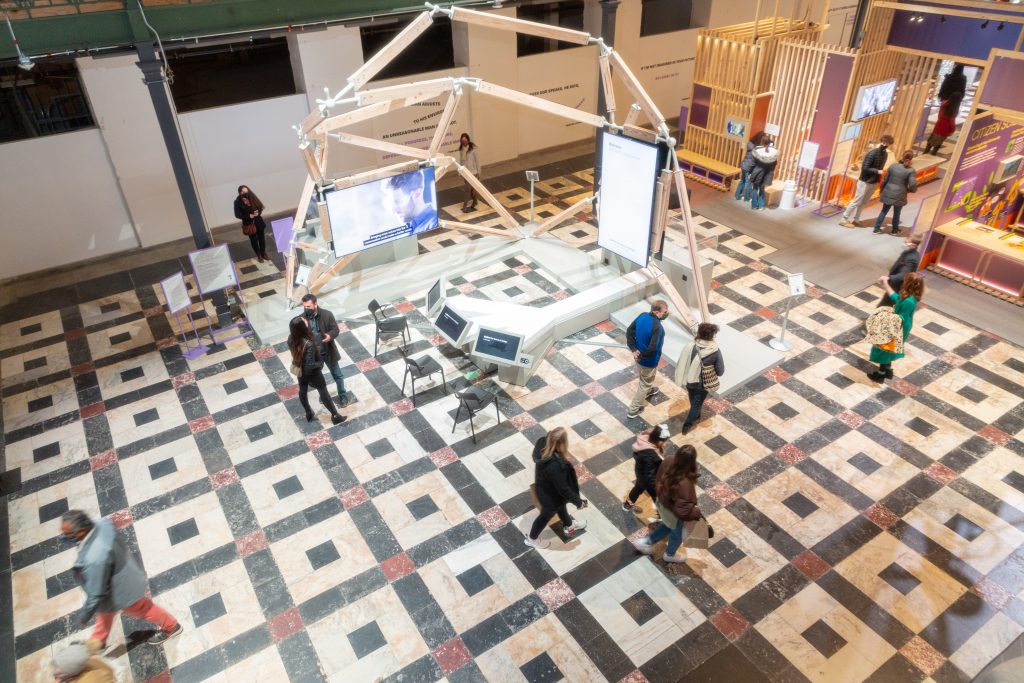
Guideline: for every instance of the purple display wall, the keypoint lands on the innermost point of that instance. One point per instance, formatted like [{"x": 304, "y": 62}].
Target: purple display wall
[
  {"x": 973, "y": 193},
  {"x": 700, "y": 106},
  {"x": 831, "y": 98},
  {"x": 1004, "y": 84},
  {"x": 950, "y": 35}
]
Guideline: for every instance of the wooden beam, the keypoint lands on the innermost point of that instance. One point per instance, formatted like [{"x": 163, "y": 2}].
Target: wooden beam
[
  {"x": 540, "y": 104},
  {"x": 480, "y": 229},
  {"x": 661, "y": 210},
  {"x": 503, "y": 23},
  {"x": 419, "y": 91},
  {"x": 673, "y": 295},
  {"x": 442, "y": 123},
  {"x": 380, "y": 145},
  {"x": 312, "y": 168},
  {"x": 298, "y": 220},
  {"x": 607, "y": 85},
  {"x": 311, "y": 247},
  {"x": 489, "y": 198},
  {"x": 633, "y": 115},
  {"x": 691, "y": 241},
  {"x": 376, "y": 174},
  {"x": 318, "y": 280},
  {"x": 559, "y": 217},
  {"x": 358, "y": 115},
  {"x": 380, "y": 60},
  {"x": 311, "y": 121},
  {"x": 325, "y": 221},
  {"x": 638, "y": 133},
  {"x": 637, "y": 90}
]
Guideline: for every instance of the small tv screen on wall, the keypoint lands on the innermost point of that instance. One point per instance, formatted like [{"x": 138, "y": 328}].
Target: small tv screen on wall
[{"x": 874, "y": 99}]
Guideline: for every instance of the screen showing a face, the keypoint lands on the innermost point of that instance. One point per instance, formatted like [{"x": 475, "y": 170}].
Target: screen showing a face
[
  {"x": 450, "y": 324},
  {"x": 874, "y": 99},
  {"x": 434, "y": 295},
  {"x": 498, "y": 345},
  {"x": 382, "y": 211}
]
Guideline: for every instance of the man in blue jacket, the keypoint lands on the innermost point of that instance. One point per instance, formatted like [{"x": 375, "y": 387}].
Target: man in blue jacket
[{"x": 645, "y": 336}]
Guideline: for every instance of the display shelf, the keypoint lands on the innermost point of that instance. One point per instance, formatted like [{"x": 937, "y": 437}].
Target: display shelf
[{"x": 989, "y": 258}]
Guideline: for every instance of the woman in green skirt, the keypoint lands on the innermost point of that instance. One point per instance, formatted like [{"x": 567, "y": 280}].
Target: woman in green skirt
[{"x": 905, "y": 303}]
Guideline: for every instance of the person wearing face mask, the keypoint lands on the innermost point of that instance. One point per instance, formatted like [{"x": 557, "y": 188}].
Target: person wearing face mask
[
  {"x": 467, "y": 157},
  {"x": 249, "y": 210},
  {"x": 703, "y": 352},
  {"x": 112, "y": 581},
  {"x": 645, "y": 337},
  {"x": 907, "y": 262},
  {"x": 325, "y": 330},
  {"x": 870, "y": 173}
]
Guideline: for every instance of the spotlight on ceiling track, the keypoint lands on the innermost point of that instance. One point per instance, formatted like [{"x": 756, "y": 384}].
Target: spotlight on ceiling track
[
  {"x": 942, "y": 19},
  {"x": 1000, "y": 27},
  {"x": 984, "y": 24}
]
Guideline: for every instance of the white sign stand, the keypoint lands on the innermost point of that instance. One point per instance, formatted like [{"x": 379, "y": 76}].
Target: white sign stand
[
  {"x": 796, "y": 288},
  {"x": 214, "y": 271},
  {"x": 177, "y": 298}
]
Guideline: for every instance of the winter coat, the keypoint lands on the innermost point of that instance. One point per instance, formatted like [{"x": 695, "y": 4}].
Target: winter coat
[
  {"x": 325, "y": 322},
  {"x": 555, "y": 479},
  {"x": 689, "y": 373},
  {"x": 242, "y": 210},
  {"x": 107, "y": 572},
  {"x": 904, "y": 309},
  {"x": 468, "y": 159},
  {"x": 899, "y": 180},
  {"x": 747, "y": 165},
  {"x": 646, "y": 335},
  {"x": 907, "y": 262},
  {"x": 680, "y": 500},
  {"x": 872, "y": 165},
  {"x": 312, "y": 362},
  {"x": 646, "y": 461},
  {"x": 765, "y": 160},
  {"x": 954, "y": 82}
]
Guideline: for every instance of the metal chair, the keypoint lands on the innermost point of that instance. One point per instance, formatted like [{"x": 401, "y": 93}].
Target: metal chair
[
  {"x": 386, "y": 326},
  {"x": 418, "y": 368},
  {"x": 474, "y": 399}
]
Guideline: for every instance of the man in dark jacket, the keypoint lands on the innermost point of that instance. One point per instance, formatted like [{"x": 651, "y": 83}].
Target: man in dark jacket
[
  {"x": 870, "y": 173},
  {"x": 111, "y": 579},
  {"x": 907, "y": 262},
  {"x": 645, "y": 337},
  {"x": 325, "y": 330}
]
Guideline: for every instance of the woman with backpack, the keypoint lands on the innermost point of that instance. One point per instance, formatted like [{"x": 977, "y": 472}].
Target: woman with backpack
[
  {"x": 647, "y": 451},
  {"x": 746, "y": 166},
  {"x": 307, "y": 366},
  {"x": 555, "y": 485},
  {"x": 677, "y": 503},
  {"x": 698, "y": 369}
]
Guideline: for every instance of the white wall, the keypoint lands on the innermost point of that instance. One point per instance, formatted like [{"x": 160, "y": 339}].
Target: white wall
[{"x": 61, "y": 203}]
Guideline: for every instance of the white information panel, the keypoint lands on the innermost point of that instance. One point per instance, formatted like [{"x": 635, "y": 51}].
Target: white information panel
[
  {"x": 629, "y": 171},
  {"x": 302, "y": 275},
  {"x": 808, "y": 155},
  {"x": 176, "y": 293},
  {"x": 772, "y": 128},
  {"x": 213, "y": 269},
  {"x": 796, "y": 284}
]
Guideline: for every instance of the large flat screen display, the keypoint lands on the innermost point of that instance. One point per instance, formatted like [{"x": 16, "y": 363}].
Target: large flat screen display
[
  {"x": 629, "y": 172},
  {"x": 874, "y": 99},
  {"x": 382, "y": 211},
  {"x": 501, "y": 347},
  {"x": 451, "y": 325}
]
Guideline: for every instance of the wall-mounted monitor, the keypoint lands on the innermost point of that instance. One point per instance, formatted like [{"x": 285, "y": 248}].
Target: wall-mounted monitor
[
  {"x": 381, "y": 211},
  {"x": 1007, "y": 168},
  {"x": 497, "y": 345},
  {"x": 625, "y": 209},
  {"x": 737, "y": 128},
  {"x": 435, "y": 295},
  {"x": 873, "y": 99},
  {"x": 451, "y": 325}
]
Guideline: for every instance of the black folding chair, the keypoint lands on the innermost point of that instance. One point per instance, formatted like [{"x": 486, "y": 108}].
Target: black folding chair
[
  {"x": 418, "y": 368},
  {"x": 387, "y": 326},
  {"x": 474, "y": 399}
]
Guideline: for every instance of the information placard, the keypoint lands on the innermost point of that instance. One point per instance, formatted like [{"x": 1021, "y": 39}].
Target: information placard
[
  {"x": 213, "y": 269},
  {"x": 796, "y": 284},
  {"x": 176, "y": 293},
  {"x": 302, "y": 275},
  {"x": 772, "y": 128},
  {"x": 808, "y": 155}
]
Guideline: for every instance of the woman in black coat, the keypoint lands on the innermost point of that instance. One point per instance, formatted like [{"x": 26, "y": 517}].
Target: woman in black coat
[
  {"x": 306, "y": 357},
  {"x": 647, "y": 451},
  {"x": 556, "y": 485},
  {"x": 249, "y": 210}
]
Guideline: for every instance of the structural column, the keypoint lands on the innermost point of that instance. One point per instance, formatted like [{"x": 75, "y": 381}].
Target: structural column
[
  {"x": 166, "y": 116},
  {"x": 608, "y": 10}
]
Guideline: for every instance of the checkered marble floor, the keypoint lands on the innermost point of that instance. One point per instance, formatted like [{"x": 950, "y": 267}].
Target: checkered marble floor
[{"x": 864, "y": 532}]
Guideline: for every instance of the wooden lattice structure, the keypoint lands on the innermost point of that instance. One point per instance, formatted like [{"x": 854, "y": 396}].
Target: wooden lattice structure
[{"x": 644, "y": 122}]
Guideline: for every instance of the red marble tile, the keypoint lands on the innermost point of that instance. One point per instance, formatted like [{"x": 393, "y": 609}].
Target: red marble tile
[
  {"x": 904, "y": 387},
  {"x": 438, "y": 340},
  {"x": 201, "y": 424},
  {"x": 122, "y": 518},
  {"x": 396, "y": 567},
  {"x": 82, "y": 369},
  {"x": 493, "y": 519},
  {"x": 940, "y": 473},
  {"x": 555, "y": 593},
  {"x": 851, "y": 419},
  {"x": 922, "y": 655},
  {"x": 723, "y": 493},
  {"x": 523, "y": 269},
  {"x": 992, "y": 593},
  {"x": 74, "y": 334},
  {"x": 634, "y": 676},
  {"x": 354, "y": 496},
  {"x": 404, "y": 307},
  {"x": 594, "y": 389},
  {"x": 995, "y": 434},
  {"x": 251, "y": 543},
  {"x": 881, "y": 515},
  {"x": 560, "y": 295},
  {"x": 952, "y": 359},
  {"x": 452, "y": 656},
  {"x": 224, "y": 477},
  {"x": 729, "y": 622},
  {"x": 766, "y": 313},
  {"x": 811, "y": 565},
  {"x": 717, "y": 406},
  {"x": 553, "y": 351},
  {"x": 777, "y": 374},
  {"x": 715, "y": 284},
  {"x": 342, "y": 327},
  {"x": 522, "y": 421},
  {"x": 153, "y": 311},
  {"x": 583, "y": 475},
  {"x": 92, "y": 410},
  {"x": 183, "y": 379},
  {"x": 815, "y": 292},
  {"x": 287, "y": 623},
  {"x": 830, "y": 347},
  {"x": 790, "y": 454},
  {"x": 104, "y": 459},
  {"x": 162, "y": 677},
  {"x": 318, "y": 440},
  {"x": 368, "y": 364},
  {"x": 166, "y": 342},
  {"x": 466, "y": 287},
  {"x": 288, "y": 392},
  {"x": 401, "y": 407},
  {"x": 264, "y": 352},
  {"x": 606, "y": 326},
  {"x": 757, "y": 265},
  {"x": 444, "y": 456}
]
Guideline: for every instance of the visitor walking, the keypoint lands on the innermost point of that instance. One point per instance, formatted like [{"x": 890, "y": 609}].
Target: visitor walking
[
  {"x": 645, "y": 337},
  {"x": 647, "y": 451},
  {"x": 677, "y": 503},
  {"x": 905, "y": 303},
  {"x": 954, "y": 82},
  {"x": 112, "y": 581},
  {"x": 945, "y": 123},
  {"x": 325, "y": 330},
  {"x": 900, "y": 179},
  {"x": 907, "y": 262},
  {"x": 249, "y": 210},
  {"x": 307, "y": 366},
  {"x": 746, "y": 166},
  {"x": 698, "y": 369},
  {"x": 870, "y": 173},
  {"x": 556, "y": 485},
  {"x": 467, "y": 158},
  {"x": 765, "y": 159}
]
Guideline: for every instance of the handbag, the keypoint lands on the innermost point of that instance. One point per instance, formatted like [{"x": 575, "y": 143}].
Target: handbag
[
  {"x": 709, "y": 377},
  {"x": 890, "y": 346},
  {"x": 697, "y": 534},
  {"x": 248, "y": 228}
]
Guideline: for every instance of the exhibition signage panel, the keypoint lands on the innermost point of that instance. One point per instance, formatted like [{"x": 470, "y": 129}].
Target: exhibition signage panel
[
  {"x": 629, "y": 173},
  {"x": 796, "y": 284},
  {"x": 808, "y": 155},
  {"x": 213, "y": 269},
  {"x": 282, "y": 228},
  {"x": 176, "y": 293}
]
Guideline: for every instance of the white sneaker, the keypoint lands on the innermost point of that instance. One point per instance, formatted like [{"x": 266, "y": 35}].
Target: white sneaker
[
  {"x": 539, "y": 544},
  {"x": 577, "y": 525},
  {"x": 643, "y": 545},
  {"x": 678, "y": 558}
]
